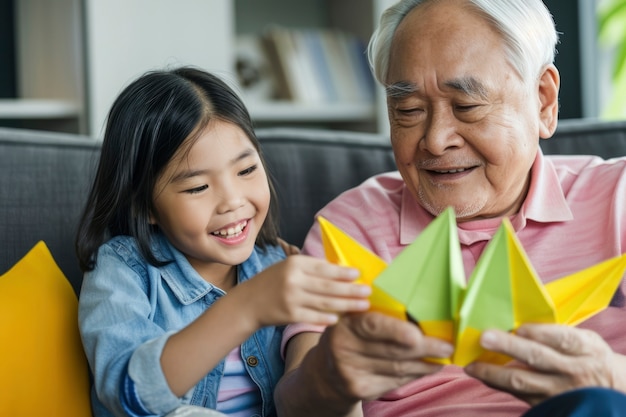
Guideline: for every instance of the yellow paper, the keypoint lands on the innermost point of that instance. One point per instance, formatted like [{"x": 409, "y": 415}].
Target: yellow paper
[
  {"x": 503, "y": 292},
  {"x": 581, "y": 295},
  {"x": 341, "y": 249}
]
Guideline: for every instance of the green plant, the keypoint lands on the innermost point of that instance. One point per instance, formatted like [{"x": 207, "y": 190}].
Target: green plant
[{"x": 612, "y": 34}]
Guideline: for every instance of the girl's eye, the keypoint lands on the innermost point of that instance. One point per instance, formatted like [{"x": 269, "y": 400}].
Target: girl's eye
[
  {"x": 248, "y": 171},
  {"x": 197, "y": 189}
]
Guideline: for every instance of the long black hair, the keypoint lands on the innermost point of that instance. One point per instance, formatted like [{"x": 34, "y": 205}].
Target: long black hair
[{"x": 146, "y": 125}]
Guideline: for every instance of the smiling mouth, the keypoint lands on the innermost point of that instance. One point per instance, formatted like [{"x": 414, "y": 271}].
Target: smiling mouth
[
  {"x": 450, "y": 171},
  {"x": 453, "y": 171},
  {"x": 231, "y": 232}
]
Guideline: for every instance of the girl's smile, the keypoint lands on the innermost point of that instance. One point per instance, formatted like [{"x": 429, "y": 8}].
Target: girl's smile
[
  {"x": 232, "y": 234},
  {"x": 212, "y": 199}
]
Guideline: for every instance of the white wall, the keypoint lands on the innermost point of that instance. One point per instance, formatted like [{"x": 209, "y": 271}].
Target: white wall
[{"x": 125, "y": 38}]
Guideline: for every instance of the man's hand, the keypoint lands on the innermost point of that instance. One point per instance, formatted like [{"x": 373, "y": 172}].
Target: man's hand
[
  {"x": 550, "y": 359},
  {"x": 361, "y": 357},
  {"x": 366, "y": 355}
]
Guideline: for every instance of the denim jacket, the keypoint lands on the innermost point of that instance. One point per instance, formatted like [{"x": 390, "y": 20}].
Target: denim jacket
[{"x": 128, "y": 309}]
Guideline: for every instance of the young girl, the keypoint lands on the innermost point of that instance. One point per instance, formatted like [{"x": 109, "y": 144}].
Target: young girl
[{"x": 186, "y": 287}]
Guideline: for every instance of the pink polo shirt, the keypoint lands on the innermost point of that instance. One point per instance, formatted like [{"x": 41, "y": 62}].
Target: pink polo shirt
[{"x": 573, "y": 217}]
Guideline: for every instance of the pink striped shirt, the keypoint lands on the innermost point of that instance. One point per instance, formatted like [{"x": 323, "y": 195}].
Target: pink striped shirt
[
  {"x": 574, "y": 216},
  {"x": 238, "y": 395}
]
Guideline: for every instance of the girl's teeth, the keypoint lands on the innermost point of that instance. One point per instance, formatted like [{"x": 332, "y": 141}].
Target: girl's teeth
[{"x": 231, "y": 230}]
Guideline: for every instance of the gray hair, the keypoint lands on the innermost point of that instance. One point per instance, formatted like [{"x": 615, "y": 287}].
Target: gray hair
[{"x": 526, "y": 26}]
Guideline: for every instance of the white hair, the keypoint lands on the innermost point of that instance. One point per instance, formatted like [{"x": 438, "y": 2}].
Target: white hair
[{"x": 526, "y": 27}]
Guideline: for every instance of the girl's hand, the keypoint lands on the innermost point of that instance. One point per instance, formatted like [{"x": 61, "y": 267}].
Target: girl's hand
[
  {"x": 302, "y": 289},
  {"x": 550, "y": 359}
]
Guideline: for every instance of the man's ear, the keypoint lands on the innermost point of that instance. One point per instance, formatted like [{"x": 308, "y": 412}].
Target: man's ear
[{"x": 549, "y": 83}]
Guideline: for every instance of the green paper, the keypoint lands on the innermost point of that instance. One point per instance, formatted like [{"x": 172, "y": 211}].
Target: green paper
[
  {"x": 488, "y": 298},
  {"x": 428, "y": 276}
]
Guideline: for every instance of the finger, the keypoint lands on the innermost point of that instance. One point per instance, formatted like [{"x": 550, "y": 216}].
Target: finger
[
  {"x": 368, "y": 379},
  {"x": 382, "y": 357},
  {"x": 332, "y": 271},
  {"x": 321, "y": 268},
  {"x": 334, "y": 303},
  {"x": 329, "y": 288},
  {"x": 567, "y": 340},
  {"x": 326, "y": 278},
  {"x": 527, "y": 351},
  {"x": 395, "y": 367},
  {"x": 521, "y": 382},
  {"x": 392, "y": 337}
]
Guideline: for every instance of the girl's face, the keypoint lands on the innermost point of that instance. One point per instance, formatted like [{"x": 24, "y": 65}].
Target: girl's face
[{"x": 212, "y": 199}]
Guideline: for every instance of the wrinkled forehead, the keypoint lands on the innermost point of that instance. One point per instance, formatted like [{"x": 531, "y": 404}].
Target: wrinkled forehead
[
  {"x": 447, "y": 37},
  {"x": 443, "y": 22}
]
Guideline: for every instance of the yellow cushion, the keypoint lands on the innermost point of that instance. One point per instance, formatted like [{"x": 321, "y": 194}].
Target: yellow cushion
[{"x": 43, "y": 369}]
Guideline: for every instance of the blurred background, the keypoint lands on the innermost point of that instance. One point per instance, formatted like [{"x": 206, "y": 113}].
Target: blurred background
[{"x": 301, "y": 63}]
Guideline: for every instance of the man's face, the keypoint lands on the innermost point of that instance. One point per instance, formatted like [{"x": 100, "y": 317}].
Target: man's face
[{"x": 464, "y": 127}]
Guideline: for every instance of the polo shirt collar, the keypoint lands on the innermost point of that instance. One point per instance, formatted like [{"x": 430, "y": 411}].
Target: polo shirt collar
[{"x": 545, "y": 203}]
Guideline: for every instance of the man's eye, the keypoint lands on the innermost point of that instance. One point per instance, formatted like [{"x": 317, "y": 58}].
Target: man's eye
[
  {"x": 196, "y": 190},
  {"x": 248, "y": 171},
  {"x": 465, "y": 108},
  {"x": 409, "y": 111}
]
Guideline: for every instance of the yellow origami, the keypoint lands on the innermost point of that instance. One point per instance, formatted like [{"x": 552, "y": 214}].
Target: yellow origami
[
  {"x": 341, "y": 249},
  {"x": 425, "y": 283}
]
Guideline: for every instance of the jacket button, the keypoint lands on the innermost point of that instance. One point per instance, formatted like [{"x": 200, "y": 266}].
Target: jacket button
[{"x": 252, "y": 360}]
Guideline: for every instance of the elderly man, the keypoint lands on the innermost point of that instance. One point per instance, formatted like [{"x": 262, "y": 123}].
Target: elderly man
[{"x": 471, "y": 89}]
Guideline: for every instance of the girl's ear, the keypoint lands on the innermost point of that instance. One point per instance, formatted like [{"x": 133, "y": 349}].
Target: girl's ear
[{"x": 548, "y": 90}]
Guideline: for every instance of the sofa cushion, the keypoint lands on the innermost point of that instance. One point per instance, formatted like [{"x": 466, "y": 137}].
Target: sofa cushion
[{"x": 44, "y": 368}]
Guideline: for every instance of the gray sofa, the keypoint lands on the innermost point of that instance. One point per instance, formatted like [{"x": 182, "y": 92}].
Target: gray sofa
[{"x": 44, "y": 178}]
